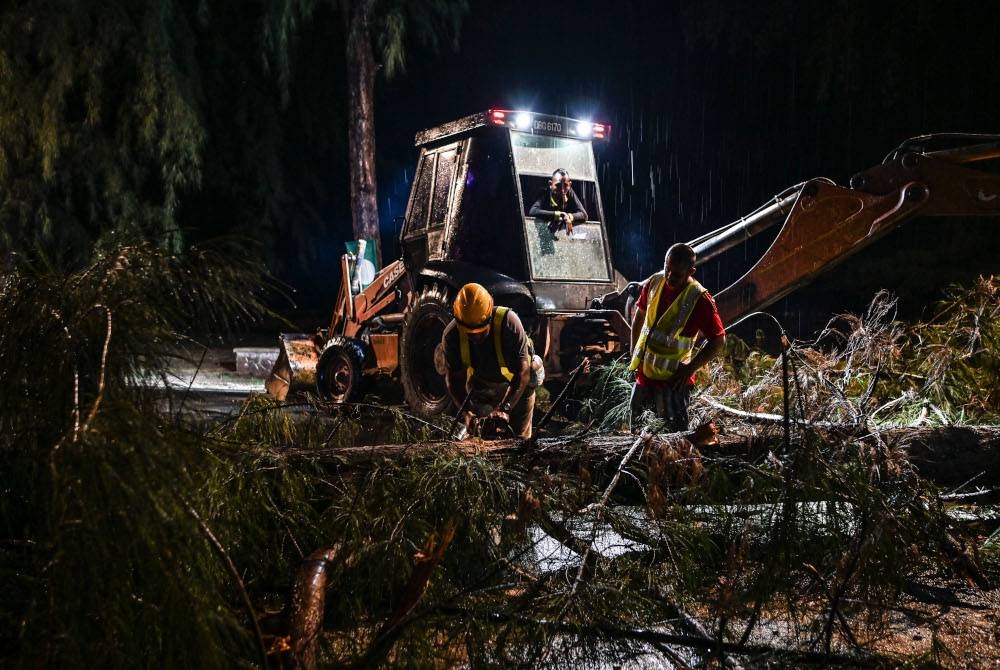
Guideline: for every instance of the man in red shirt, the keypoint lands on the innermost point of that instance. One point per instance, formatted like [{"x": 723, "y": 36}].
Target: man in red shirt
[{"x": 672, "y": 311}]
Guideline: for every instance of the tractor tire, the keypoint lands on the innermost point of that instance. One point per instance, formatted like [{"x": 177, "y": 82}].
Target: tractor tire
[
  {"x": 338, "y": 373},
  {"x": 423, "y": 385}
]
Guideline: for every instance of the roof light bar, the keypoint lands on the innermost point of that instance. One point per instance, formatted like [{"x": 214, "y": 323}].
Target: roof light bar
[
  {"x": 524, "y": 121},
  {"x": 548, "y": 125}
]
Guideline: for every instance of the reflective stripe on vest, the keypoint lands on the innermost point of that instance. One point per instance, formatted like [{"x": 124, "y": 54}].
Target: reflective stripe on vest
[
  {"x": 661, "y": 348},
  {"x": 463, "y": 341}
]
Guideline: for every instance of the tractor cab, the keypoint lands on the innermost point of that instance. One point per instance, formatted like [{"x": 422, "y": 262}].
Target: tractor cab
[
  {"x": 468, "y": 212},
  {"x": 468, "y": 220}
]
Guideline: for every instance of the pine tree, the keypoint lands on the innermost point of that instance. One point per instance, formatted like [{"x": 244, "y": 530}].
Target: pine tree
[
  {"x": 372, "y": 28},
  {"x": 99, "y": 123}
]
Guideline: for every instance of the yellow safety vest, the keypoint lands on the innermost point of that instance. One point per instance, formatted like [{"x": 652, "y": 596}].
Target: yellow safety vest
[
  {"x": 661, "y": 348},
  {"x": 463, "y": 339}
]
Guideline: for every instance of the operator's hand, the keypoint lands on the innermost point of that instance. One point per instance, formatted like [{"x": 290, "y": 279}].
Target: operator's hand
[
  {"x": 681, "y": 376},
  {"x": 468, "y": 418},
  {"x": 569, "y": 224}
]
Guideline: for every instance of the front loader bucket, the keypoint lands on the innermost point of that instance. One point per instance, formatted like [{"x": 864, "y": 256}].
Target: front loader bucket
[{"x": 295, "y": 369}]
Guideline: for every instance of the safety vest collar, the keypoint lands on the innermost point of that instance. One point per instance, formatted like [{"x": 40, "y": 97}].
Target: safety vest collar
[
  {"x": 676, "y": 316},
  {"x": 499, "y": 314}
]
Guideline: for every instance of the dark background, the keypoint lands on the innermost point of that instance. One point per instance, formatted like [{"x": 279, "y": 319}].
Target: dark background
[{"x": 715, "y": 108}]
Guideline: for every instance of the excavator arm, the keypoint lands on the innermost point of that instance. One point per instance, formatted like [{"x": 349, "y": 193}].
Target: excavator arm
[{"x": 825, "y": 223}]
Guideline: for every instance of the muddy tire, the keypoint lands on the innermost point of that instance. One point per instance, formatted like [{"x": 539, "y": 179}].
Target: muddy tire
[
  {"x": 423, "y": 385},
  {"x": 338, "y": 373}
]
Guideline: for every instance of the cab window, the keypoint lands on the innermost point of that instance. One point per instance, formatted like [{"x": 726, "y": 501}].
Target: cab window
[
  {"x": 534, "y": 187},
  {"x": 539, "y": 155},
  {"x": 577, "y": 256},
  {"x": 417, "y": 219},
  {"x": 560, "y": 256},
  {"x": 444, "y": 178}
]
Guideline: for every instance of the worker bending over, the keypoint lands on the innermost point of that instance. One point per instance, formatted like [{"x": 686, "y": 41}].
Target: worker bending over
[
  {"x": 673, "y": 309},
  {"x": 487, "y": 354}
]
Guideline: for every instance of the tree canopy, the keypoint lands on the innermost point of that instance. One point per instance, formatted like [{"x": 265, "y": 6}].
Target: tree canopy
[
  {"x": 161, "y": 117},
  {"x": 98, "y": 118}
]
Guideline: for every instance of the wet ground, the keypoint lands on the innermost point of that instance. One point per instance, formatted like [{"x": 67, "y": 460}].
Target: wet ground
[
  {"x": 213, "y": 384},
  {"x": 208, "y": 381}
]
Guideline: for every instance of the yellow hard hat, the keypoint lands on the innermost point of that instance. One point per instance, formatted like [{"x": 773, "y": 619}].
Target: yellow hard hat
[{"x": 473, "y": 308}]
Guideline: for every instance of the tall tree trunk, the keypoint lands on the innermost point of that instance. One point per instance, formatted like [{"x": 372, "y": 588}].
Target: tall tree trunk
[{"x": 361, "y": 121}]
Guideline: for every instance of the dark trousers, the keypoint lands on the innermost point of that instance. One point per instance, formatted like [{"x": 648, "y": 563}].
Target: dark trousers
[{"x": 667, "y": 403}]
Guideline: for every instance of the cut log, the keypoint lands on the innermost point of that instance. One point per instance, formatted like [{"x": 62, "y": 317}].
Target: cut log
[
  {"x": 949, "y": 456},
  {"x": 952, "y": 456}
]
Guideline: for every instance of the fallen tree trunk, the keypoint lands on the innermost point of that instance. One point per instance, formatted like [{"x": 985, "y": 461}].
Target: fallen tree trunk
[
  {"x": 952, "y": 456},
  {"x": 949, "y": 456}
]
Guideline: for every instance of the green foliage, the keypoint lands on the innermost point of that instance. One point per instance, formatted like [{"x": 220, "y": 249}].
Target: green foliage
[
  {"x": 130, "y": 535},
  {"x": 957, "y": 353},
  {"x": 426, "y": 22},
  {"x": 393, "y": 25},
  {"x": 608, "y": 403},
  {"x": 157, "y": 117},
  {"x": 99, "y": 123},
  {"x": 875, "y": 370},
  {"x": 104, "y": 560}
]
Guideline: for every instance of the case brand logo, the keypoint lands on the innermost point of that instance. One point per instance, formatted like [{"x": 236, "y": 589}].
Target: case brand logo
[{"x": 391, "y": 277}]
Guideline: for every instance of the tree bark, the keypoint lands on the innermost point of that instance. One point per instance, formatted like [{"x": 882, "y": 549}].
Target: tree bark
[
  {"x": 949, "y": 456},
  {"x": 361, "y": 121},
  {"x": 952, "y": 456}
]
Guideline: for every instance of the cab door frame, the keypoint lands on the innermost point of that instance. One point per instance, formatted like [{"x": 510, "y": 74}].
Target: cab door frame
[{"x": 429, "y": 211}]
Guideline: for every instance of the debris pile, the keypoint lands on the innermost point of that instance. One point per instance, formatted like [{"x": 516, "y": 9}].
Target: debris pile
[{"x": 274, "y": 538}]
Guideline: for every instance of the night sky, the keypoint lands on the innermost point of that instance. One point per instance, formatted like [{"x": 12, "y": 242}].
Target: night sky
[{"x": 715, "y": 108}]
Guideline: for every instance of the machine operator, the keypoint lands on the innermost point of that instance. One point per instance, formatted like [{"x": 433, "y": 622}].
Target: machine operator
[
  {"x": 559, "y": 204},
  {"x": 488, "y": 356}
]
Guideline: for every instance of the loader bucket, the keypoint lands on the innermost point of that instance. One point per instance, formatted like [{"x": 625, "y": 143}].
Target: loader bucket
[{"x": 295, "y": 369}]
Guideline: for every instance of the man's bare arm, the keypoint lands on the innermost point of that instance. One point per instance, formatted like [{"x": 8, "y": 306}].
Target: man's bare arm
[
  {"x": 519, "y": 384},
  {"x": 637, "y": 319},
  {"x": 713, "y": 348}
]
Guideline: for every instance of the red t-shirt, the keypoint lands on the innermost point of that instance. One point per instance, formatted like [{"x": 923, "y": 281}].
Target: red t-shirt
[{"x": 705, "y": 319}]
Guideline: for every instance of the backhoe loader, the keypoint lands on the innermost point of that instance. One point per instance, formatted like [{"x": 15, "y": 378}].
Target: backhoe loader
[{"x": 467, "y": 220}]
